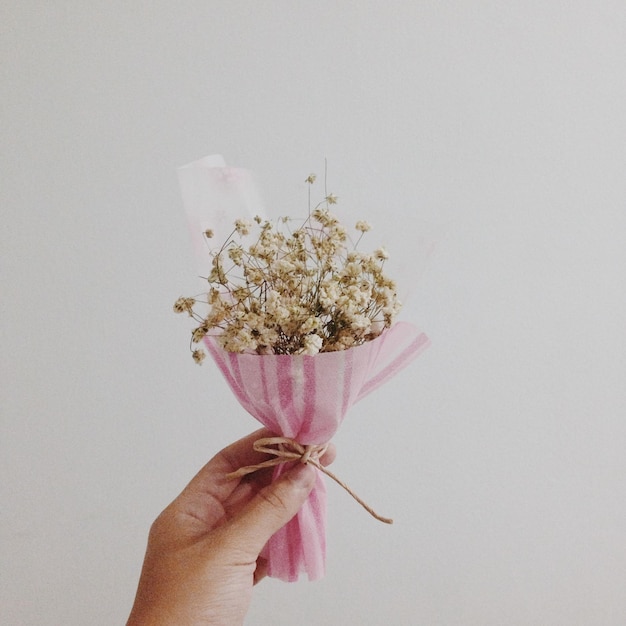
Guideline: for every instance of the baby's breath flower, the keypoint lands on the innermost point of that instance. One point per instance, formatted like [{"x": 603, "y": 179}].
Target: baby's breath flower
[
  {"x": 360, "y": 322},
  {"x": 242, "y": 227},
  {"x": 310, "y": 179},
  {"x": 312, "y": 345},
  {"x": 254, "y": 275},
  {"x": 209, "y": 234},
  {"x": 328, "y": 294},
  {"x": 338, "y": 232},
  {"x": 239, "y": 341},
  {"x": 381, "y": 254},
  {"x": 352, "y": 269},
  {"x": 283, "y": 266},
  {"x": 198, "y": 334},
  {"x": 296, "y": 289},
  {"x": 213, "y": 296},
  {"x": 217, "y": 275},
  {"x": 320, "y": 215},
  {"x": 184, "y": 304},
  {"x": 235, "y": 253},
  {"x": 198, "y": 356}
]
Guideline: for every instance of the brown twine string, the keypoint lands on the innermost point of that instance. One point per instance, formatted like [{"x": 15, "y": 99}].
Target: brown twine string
[{"x": 285, "y": 450}]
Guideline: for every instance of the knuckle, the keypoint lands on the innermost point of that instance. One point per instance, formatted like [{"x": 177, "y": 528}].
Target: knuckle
[{"x": 163, "y": 526}]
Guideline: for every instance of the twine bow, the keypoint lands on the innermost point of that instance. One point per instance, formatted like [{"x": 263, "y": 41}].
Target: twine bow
[{"x": 285, "y": 450}]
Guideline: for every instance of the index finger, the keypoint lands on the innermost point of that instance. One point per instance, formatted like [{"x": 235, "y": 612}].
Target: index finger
[{"x": 211, "y": 479}]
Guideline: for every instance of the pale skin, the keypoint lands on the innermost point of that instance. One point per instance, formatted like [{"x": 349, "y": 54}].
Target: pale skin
[{"x": 203, "y": 551}]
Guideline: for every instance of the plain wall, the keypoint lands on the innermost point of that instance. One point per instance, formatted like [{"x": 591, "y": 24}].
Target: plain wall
[{"x": 500, "y": 452}]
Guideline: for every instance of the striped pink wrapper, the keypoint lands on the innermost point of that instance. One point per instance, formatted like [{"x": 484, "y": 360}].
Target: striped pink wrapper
[{"x": 306, "y": 398}]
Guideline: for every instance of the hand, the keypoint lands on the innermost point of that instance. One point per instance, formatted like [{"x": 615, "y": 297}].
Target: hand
[{"x": 203, "y": 550}]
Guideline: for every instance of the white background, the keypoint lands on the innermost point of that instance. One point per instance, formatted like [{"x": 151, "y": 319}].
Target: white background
[{"x": 500, "y": 452}]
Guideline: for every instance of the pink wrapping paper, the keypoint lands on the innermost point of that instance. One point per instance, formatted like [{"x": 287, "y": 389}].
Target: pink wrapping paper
[{"x": 306, "y": 398}]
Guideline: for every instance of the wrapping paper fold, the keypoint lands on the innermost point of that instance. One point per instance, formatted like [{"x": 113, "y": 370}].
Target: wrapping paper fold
[{"x": 306, "y": 398}]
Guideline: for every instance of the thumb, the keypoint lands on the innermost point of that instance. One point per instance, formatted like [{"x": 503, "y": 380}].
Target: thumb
[{"x": 273, "y": 507}]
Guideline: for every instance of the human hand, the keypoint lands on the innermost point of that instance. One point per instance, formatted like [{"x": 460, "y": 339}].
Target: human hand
[{"x": 203, "y": 550}]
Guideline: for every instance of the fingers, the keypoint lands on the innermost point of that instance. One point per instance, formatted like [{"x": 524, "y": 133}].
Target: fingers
[
  {"x": 241, "y": 452},
  {"x": 210, "y": 479},
  {"x": 329, "y": 456},
  {"x": 272, "y": 508}
]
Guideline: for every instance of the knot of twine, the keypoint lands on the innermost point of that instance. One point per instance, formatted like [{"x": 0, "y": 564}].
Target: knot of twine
[{"x": 286, "y": 450}]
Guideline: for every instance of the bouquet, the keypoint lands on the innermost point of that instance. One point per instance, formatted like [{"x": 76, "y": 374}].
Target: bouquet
[{"x": 301, "y": 323}]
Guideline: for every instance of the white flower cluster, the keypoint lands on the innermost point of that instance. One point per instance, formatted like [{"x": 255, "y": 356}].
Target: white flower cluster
[{"x": 299, "y": 291}]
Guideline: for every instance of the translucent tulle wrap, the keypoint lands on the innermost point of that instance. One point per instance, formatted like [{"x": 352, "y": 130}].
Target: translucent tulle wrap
[{"x": 305, "y": 398}]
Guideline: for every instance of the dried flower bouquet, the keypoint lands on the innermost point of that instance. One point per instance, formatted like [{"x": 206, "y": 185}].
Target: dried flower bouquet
[{"x": 301, "y": 325}]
